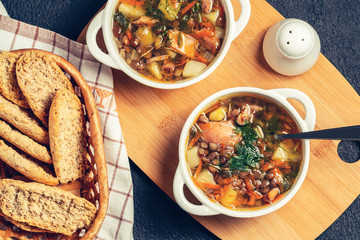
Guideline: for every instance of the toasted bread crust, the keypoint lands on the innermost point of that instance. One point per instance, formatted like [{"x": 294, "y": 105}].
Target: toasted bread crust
[
  {"x": 26, "y": 165},
  {"x": 26, "y": 227},
  {"x": 39, "y": 78},
  {"x": 9, "y": 87},
  {"x": 67, "y": 136},
  {"x": 45, "y": 207},
  {"x": 24, "y": 143},
  {"x": 23, "y": 120},
  {"x": 23, "y": 226}
]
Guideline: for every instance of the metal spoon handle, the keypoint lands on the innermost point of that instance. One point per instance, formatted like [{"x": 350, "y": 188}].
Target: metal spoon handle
[{"x": 343, "y": 133}]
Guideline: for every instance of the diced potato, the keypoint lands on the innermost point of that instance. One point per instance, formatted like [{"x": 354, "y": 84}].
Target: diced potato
[
  {"x": 212, "y": 16},
  {"x": 154, "y": 69},
  {"x": 205, "y": 176},
  {"x": 228, "y": 196},
  {"x": 193, "y": 68},
  {"x": 294, "y": 156},
  {"x": 285, "y": 150},
  {"x": 280, "y": 153},
  {"x": 218, "y": 114},
  {"x": 170, "y": 8},
  {"x": 192, "y": 157},
  {"x": 132, "y": 12},
  {"x": 145, "y": 36},
  {"x": 171, "y": 53},
  {"x": 178, "y": 72}
]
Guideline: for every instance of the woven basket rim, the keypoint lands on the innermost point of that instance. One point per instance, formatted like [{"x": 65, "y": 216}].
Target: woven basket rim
[{"x": 95, "y": 134}]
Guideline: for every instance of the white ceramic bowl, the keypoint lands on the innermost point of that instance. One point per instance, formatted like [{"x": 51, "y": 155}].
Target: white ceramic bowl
[
  {"x": 183, "y": 174},
  {"x": 104, "y": 21}
]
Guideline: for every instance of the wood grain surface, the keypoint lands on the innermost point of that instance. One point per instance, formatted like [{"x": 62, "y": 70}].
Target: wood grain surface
[{"x": 152, "y": 120}]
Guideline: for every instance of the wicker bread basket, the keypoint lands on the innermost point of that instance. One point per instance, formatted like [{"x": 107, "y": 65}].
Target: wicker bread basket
[{"x": 94, "y": 186}]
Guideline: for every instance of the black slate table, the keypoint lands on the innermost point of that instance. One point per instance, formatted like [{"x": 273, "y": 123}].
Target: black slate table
[{"x": 156, "y": 215}]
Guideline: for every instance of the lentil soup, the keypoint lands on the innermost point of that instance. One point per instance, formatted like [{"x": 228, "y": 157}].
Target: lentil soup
[
  {"x": 234, "y": 156},
  {"x": 169, "y": 40}
]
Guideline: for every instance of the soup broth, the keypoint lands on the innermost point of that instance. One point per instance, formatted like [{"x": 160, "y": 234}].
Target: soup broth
[
  {"x": 234, "y": 156},
  {"x": 169, "y": 40}
]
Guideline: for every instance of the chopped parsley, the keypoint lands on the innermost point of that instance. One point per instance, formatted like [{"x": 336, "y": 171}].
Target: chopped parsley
[
  {"x": 273, "y": 125},
  {"x": 151, "y": 7},
  {"x": 183, "y": 23},
  {"x": 161, "y": 28},
  {"x": 248, "y": 134},
  {"x": 196, "y": 12},
  {"x": 123, "y": 22},
  {"x": 247, "y": 157},
  {"x": 291, "y": 176}
]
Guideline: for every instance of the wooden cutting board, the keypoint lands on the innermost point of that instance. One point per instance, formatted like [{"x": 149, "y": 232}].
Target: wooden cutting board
[{"x": 152, "y": 120}]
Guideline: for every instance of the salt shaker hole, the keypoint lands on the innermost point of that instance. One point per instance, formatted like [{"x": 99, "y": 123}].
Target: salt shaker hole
[
  {"x": 287, "y": 42},
  {"x": 290, "y": 32}
]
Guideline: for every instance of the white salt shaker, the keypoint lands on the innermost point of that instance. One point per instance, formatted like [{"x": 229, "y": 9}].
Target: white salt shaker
[{"x": 291, "y": 47}]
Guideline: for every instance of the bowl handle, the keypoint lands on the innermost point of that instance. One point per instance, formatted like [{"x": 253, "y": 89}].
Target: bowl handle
[
  {"x": 91, "y": 33},
  {"x": 310, "y": 116},
  {"x": 243, "y": 18},
  {"x": 178, "y": 189}
]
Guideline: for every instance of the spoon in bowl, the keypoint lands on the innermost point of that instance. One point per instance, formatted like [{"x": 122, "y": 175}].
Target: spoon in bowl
[{"x": 342, "y": 133}]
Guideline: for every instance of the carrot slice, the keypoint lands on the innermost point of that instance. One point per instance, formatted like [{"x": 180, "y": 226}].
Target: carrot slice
[
  {"x": 257, "y": 195},
  {"x": 187, "y": 7},
  {"x": 198, "y": 170},
  {"x": 205, "y": 186},
  {"x": 129, "y": 35},
  {"x": 280, "y": 163},
  {"x": 202, "y": 33},
  {"x": 272, "y": 194},
  {"x": 210, "y": 186},
  {"x": 200, "y": 58},
  {"x": 182, "y": 62},
  {"x": 194, "y": 139},
  {"x": 252, "y": 177},
  {"x": 251, "y": 201},
  {"x": 226, "y": 181},
  {"x": 249, "y": 185},
  {"x": 267, "y": 166},
  {"x": 207, "y": 24}
]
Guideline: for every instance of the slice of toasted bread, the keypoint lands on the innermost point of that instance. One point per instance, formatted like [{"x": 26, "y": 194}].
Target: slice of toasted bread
[
  {"x": 45, "y": 207},
  {"x": 24, "y": 143},
  {"x": 23, "y": 120},
  {"x": 23, "y": 226},
  {"x": 39, "y": 78},
  {"x": 67, "y": 136},
  {"x": 9, "y": 87},
  {"x": 26, "y": 165}
]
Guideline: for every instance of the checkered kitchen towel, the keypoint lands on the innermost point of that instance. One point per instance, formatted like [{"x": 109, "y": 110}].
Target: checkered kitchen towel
[{"x": 14, "y": 35}]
